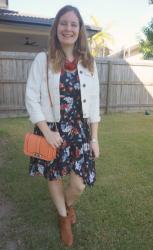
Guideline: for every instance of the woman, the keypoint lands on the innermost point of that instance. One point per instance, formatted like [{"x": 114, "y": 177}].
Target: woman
[{"x": 74, "y": 88}]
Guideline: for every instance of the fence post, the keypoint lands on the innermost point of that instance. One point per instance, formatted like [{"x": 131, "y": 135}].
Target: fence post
[{"x": 108, "y": 88}]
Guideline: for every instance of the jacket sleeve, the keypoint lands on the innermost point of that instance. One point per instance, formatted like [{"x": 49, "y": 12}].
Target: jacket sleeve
[
  {"x": 94, "y": 113},
  {"x": 33, "y": 90}
]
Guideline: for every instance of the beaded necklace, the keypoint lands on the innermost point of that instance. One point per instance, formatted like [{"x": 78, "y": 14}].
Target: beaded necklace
[{"x": 70, "y": 65}]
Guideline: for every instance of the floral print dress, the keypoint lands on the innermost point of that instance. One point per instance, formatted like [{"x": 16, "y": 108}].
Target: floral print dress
[{"x": 74, "y": 154}]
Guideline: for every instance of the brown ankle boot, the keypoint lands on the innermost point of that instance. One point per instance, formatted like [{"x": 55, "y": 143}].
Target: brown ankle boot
[
  {"x": 71, "y": 213},
  {"x": 66, "y": 230}
]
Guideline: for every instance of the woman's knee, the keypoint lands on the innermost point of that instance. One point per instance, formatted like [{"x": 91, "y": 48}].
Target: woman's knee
[
  {"x": 77, "y": 184},
  {"x": 80, "y": 188}
]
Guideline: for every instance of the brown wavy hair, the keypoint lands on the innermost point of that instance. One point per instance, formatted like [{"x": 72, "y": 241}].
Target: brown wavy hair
[{"x": 81, "y": 48}]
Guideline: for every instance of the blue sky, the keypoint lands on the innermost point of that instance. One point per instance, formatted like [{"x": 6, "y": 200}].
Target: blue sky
[{"x": 124, "y": 19}]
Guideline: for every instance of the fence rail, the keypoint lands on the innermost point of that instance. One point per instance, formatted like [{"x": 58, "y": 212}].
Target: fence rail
[{"x": 124, "y": 86}]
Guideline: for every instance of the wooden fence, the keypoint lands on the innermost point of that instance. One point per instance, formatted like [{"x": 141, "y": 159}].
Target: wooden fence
[
  {"x": 124, "y": 86},
  {"x": 14, "y": 68}
]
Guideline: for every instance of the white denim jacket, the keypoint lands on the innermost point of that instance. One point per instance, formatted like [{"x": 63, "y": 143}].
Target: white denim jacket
[{"x": 37, "y": 99}]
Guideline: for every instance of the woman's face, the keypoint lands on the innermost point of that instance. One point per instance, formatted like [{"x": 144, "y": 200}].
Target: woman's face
[{"x": 68, "y": 29}]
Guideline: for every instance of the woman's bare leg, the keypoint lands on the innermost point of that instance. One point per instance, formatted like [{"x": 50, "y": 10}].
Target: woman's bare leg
[
  {"x": 75, "y": 189},
  {"x": 57, "y": 193}
]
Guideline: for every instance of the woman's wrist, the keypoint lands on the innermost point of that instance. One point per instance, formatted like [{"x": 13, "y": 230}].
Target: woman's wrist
[
  {"x": 94, "y": 140},
  {"x": 44, "y": 128}
]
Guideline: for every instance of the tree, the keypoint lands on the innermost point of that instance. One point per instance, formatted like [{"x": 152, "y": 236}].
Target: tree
[
  {"x": 146, "y": 45},
  {"x": 99, "y": 43},
  {"x": 150, "y": 1}
]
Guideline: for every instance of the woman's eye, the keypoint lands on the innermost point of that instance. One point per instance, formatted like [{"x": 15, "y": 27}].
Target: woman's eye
[
  {"x": 74, "y": 25},
  {"x": 62, "y": 23},
  {"x": 66, "y": 24}
]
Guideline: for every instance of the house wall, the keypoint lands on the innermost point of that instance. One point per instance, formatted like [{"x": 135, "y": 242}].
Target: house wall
[{"x": 13, "y": 37}]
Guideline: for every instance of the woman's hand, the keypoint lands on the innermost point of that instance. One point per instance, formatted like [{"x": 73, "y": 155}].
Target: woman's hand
[
  {"x": 94, "y": 145},
  {"x": 95, "y": 148},
  {"x": 53, "y": 138}
]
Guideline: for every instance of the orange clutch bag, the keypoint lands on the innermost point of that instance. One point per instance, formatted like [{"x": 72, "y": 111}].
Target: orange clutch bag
[{"x": 37, "y": 146}]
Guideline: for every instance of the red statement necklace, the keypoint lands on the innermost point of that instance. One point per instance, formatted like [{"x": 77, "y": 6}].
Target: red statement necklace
[{"x": 70, "y": 65}]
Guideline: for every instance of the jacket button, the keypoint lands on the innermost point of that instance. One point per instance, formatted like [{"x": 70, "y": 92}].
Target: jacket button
[
  {"x": 81, "y": 72},
  {"x": 84, "y": 100},
  {"x": 84, "y": 85}
]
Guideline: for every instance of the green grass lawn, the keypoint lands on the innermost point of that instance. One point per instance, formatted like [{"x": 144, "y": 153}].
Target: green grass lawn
[{"x": 116, "y": 214}]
